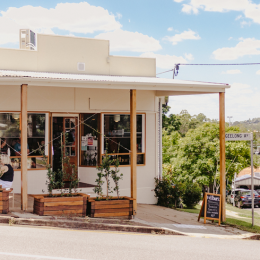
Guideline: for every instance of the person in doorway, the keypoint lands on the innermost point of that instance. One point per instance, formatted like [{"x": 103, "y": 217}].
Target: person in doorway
[
  {"x": 17, "y": 147},
  {"x": 6, "y": 172}
]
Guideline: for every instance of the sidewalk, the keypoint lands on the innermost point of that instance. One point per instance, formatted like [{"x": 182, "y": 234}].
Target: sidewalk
[
  {"x": 149, "y": 219},
  {"x": 185, "y": 223}
]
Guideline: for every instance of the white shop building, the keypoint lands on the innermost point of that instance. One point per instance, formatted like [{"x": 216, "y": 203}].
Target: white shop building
[{"x": 73, "y": 84}]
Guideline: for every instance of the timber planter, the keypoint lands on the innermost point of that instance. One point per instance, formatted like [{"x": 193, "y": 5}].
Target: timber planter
[
  {"x": 110, "y": 208},
  {"x": 4, "y": 201},
  {"x": 50, "y": 206}
]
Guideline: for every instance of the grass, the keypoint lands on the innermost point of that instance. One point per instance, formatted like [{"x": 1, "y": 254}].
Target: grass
[
  {"x": 195, "y": 210},
  {"x": 242, "y": 224}
]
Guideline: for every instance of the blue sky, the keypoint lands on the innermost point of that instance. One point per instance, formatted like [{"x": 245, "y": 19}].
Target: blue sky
[{"x": 172, "y": 31}]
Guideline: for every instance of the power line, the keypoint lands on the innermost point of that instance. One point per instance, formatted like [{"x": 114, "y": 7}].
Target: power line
[{"x": 211, "y": 64}]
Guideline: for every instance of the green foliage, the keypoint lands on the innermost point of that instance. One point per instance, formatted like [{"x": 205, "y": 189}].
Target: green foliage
[
  {"x": 116, "y": 176},
  {"x": 170, "y": 123},
  {"x": 167, "y": 193},
  {"x": 195, "y": 157},
  {"x": 105, "y": 171},
  {"x": 191, "y": 194},
  {"x": 55, "y": 180},
  {"x": 169, "y": 144}
]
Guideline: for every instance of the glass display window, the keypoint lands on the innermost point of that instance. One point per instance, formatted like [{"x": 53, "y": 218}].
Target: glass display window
[
  {"x": 116, "y": 137},
  {"x": 89, "y": 139},
  {"x": 10, "y": 138}
]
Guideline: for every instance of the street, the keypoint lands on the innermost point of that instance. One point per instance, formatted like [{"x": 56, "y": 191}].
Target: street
[{"x": 22, "y": 242}]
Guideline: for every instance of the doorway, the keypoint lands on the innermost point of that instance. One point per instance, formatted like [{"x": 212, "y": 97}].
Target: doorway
[{"x": 68, "y": 142}]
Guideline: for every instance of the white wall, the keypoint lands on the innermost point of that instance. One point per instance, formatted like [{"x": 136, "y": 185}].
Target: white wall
[{"x": 72, "y": 100}]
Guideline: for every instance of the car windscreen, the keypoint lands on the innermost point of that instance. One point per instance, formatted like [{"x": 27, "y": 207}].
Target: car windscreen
[{"x": 244, "y": 193}]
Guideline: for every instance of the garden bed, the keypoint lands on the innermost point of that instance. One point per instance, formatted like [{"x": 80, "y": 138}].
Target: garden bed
[
  {"x": 113, "y": 207},
  {"x": 44, "y": 205},
  {"x": 4, "y": 201}
]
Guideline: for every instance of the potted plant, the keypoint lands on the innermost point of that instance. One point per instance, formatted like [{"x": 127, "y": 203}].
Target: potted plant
[
  {"x": 68, "y": 201},
  {"x": 106, "y": 205}
]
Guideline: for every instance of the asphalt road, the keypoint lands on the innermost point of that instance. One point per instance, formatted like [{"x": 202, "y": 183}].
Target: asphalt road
[{"x": 20, "y": 242}]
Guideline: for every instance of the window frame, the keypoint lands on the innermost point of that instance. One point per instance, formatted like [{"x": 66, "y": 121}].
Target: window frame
[
  {"x": 143, "y": 137},
  {"x": 46, "y": 137}
]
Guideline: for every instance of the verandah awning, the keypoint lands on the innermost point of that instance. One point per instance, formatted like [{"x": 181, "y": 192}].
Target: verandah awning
[{"x": 162, "y": 86}]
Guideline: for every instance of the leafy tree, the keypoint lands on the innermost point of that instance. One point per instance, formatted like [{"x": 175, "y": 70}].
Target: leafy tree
[
  {"x": 197, "y": 156},
  {"x": 169, "y": 144}
]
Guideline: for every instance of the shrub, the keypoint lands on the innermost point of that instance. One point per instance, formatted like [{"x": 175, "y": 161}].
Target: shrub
[
  {"x": 167, "y": 193},
  {"x": 191, "y": 195}
]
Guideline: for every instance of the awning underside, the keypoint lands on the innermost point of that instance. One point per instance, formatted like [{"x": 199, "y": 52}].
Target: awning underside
[{"x": 162, "y": 86}]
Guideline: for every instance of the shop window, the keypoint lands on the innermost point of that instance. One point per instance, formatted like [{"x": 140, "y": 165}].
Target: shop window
[
  {"x": 10, "y": 135},
  {"x": 90, "y": 138},
  {"x": 116, "y": 137}
]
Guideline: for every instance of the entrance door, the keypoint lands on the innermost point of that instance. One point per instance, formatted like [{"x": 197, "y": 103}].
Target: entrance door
[{"x": 65, "y": 134}]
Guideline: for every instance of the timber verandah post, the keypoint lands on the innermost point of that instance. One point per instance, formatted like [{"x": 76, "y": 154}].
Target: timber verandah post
[
  {"x": 133, "y": 148},
  {"x": 24, "y": 197},
  {"x": 222, "y": 154}
]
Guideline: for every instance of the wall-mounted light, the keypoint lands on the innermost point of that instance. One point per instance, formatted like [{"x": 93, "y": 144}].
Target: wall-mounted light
[
  {"x": 16, "y": 116},
  {"x": 116, "y": 118}
]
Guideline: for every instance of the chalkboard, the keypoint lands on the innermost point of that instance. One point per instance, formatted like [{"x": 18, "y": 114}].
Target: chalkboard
[
  {"x": 213, "y": 204},
  {"x": 211, "y": 207}
]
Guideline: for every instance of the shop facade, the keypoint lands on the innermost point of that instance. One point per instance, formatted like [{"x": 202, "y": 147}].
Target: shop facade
[{"x": 74, "y": 85}]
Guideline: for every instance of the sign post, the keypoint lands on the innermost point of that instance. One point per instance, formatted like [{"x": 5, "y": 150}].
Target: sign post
[
  {"x": 245, "y": 137},
  {"x": 211, "y": 207}
]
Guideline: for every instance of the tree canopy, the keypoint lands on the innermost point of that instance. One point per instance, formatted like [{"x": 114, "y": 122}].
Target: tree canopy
[{"x": 191, "y": 153}]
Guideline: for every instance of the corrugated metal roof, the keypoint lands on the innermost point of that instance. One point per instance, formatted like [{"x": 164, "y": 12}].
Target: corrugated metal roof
[{"x": 105, "y": 78}]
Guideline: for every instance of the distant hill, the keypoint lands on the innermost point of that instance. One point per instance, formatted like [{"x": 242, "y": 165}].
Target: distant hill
[{"x": 250, "y": 124}]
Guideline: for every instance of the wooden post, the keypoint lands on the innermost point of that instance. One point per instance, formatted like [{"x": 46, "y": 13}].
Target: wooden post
[
  {"x": 222, "y": 154},
  {"x": 24, "y": 199},
  {"x": 133, "y": 147}
]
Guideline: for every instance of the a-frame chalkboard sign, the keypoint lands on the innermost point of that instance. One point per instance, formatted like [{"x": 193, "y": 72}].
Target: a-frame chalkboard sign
[{"x": 211, "y": 207}]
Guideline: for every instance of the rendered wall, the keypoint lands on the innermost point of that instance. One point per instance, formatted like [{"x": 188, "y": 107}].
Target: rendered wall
[
  {"x": 61, "y": 54},
  {"x": 72, "y": 100}
]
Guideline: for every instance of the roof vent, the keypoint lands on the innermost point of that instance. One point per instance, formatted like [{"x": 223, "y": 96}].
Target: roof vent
[
  {"x": 27, "y": 39},
  {"x": 81, "y": 66}
]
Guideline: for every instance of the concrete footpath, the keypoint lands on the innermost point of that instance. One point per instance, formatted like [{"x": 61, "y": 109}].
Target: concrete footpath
[{"x": 151, "y": 219}]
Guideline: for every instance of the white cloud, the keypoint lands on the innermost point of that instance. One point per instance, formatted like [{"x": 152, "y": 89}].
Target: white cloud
[
  {"x": 220, "y": 5},
  {"x": 230, "y": 38},
  {"x": 164, "y": 61},
  {"x": 178, "y": 1},
  {"x": 118, "y": 15},
  {"x": 238, "y": 17},
  {"x": 72, "y": 17},
  {"x": 130, "y": 41},
  {"x": 249, "y": 46},
  {"x": 231, "y": 72},
  {"x": 258, "y": 72},
  {"x": 188, "y": 9},
  {"x": 249, "y": 9},
  {"x": 244, "y": 23},
  {"x": 170, "y": 29},
  {"x": 186, "y": 35},
  {"x": 188, "y": 56},
  {"x": 253, "y": 12}
]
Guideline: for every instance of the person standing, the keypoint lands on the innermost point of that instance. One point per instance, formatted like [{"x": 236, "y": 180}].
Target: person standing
[{"x": 6, "y": 172}]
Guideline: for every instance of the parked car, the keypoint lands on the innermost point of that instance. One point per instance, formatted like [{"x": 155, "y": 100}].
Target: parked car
[
  {"x": 243, "y": 198},
  {"x": 231, "y": 195}
]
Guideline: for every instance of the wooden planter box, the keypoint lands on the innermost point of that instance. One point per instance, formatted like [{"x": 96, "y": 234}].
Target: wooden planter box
[
  {"x": 49, "y": 206},
  {"x": 4, "y": 201},
  {"x": 110, "y": 208}
]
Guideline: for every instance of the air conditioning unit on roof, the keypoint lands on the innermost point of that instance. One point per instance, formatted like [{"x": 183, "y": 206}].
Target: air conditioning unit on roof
[{"x": 27, "y": 39}]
